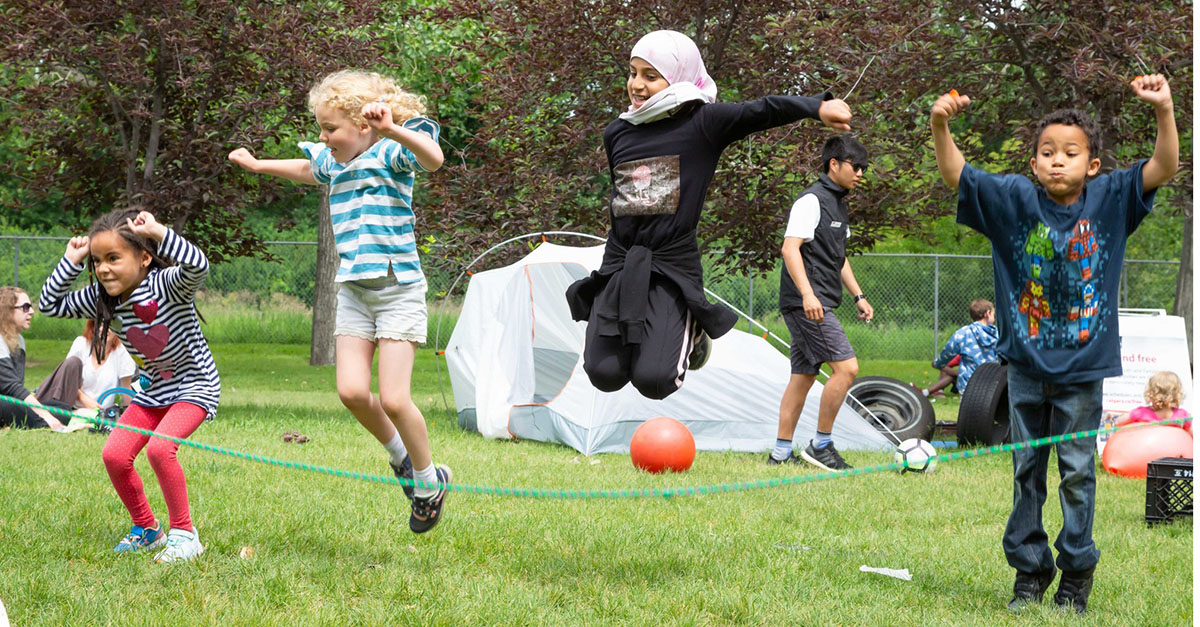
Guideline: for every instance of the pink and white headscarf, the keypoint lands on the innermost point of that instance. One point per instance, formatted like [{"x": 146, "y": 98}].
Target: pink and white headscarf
[{"x": 677, "y": 58}]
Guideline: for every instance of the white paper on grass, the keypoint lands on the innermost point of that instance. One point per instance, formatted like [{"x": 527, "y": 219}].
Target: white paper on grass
[{"x": 890, "y": 572}]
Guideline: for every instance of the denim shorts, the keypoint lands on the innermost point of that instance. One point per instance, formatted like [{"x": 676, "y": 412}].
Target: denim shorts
[{"x": 373, "y": 309}]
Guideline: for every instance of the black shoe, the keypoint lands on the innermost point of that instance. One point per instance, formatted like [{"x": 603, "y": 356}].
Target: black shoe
[
  {"x": 701, "y": 348},
  {"x": 427, "y": 512},
  {"x": 403, "y": 472},
  {"x": 826, "y": 458},
  {"x": 1073, "y": 590},
  {"x": 1029, "y": 588},
  {"x": 791, "y": 459}
]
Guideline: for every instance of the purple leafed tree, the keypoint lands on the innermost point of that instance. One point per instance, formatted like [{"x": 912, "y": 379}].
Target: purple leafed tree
[
  {"x": 141, "y": 101},
  {"x": 553, "y": 76}
]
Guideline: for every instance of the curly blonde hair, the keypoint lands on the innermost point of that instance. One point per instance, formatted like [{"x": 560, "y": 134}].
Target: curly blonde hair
[
  {"x": 349, "y": 90},
  {"x": 8, "y": 327},
  {"x": 1164, "y": 391}
]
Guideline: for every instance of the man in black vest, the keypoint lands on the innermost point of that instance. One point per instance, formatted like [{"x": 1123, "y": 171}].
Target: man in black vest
[{"x": 814, "y": 252}]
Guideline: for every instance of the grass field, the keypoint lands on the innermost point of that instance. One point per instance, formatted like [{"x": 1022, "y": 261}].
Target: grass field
[{"x": 337, "y": 551}]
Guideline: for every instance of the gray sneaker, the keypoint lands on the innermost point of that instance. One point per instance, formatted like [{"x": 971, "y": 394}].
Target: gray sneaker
[
  {"x": 404, "y": 471},
  {"x": 826, "y": 458},
  {"x": 701, "y": 347}
]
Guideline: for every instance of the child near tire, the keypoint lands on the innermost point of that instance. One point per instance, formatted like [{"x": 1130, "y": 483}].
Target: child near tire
[{"x": 1057, "y": 251}]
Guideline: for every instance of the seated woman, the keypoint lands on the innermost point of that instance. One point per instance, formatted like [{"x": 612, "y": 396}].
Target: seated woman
[
  {"x": 16, "y": 314},
  {"x": 80, "y": 380}
]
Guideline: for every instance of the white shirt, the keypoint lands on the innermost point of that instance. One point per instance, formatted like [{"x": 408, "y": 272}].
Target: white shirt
[
  {"x": 99, "y": 379},
  {"x": 804, "y": 218}
]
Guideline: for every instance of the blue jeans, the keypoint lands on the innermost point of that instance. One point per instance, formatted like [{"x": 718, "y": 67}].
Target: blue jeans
[{"x": 1040, "y": 409}]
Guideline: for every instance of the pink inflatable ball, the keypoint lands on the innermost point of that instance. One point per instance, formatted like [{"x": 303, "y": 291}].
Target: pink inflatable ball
[{"x": 1129, "y": 450}]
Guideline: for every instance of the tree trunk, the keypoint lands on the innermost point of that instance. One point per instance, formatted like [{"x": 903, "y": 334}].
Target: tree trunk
[
  {"x": 321, "y": 352},
  {"x": 1183, "y": 283}
]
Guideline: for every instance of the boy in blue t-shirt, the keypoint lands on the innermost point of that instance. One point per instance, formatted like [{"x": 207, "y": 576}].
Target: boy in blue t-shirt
[{"x": 1057, "y": 251}]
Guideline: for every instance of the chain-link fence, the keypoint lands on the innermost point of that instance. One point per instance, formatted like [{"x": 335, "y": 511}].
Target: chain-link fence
[{"x": 919, "y": 300}]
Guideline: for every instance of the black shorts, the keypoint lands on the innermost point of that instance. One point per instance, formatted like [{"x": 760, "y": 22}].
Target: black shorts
[{"x": 814, "y": 343}]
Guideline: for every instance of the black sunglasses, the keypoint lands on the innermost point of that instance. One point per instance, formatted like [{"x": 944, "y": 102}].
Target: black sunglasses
[
  {"x": 26, "y": 307},
  {"x": 859, "y": 167}
]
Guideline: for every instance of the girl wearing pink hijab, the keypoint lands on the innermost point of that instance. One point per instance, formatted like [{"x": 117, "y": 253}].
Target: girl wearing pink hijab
[{"x": 648, "y": 319}]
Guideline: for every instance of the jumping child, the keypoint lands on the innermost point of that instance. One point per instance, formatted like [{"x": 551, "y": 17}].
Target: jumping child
[
  {"x": 1056, "y": 309},
  {"x": 369, "y": 161},
  {"x": 648, "y": 320},
  {"x": 135, "y": 290}
]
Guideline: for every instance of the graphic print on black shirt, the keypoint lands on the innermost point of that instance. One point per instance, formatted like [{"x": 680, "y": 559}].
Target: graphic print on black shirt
[{"x": 647, "y": 187}]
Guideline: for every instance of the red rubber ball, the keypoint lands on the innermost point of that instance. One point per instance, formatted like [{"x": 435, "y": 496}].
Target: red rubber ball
[{"x": 662, "y": 444}]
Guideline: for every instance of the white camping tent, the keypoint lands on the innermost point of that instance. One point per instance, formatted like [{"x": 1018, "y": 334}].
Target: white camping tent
[{"x": 516, "y": 365}]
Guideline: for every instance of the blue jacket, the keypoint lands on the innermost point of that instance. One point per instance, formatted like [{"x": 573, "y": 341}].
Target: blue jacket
[{"x": 976, "y": 342}]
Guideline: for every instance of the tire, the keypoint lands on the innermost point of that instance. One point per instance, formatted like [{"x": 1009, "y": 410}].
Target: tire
[
  {"x": 894, "y": 406},
  {"x": 983, "y": 414}
]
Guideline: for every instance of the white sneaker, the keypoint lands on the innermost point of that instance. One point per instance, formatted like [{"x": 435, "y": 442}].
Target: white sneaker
[{"x": 182, "y": 545}]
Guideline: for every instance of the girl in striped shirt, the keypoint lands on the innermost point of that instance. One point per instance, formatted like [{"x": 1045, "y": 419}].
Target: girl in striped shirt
[
  {"x": 374, "y": 139},
  {"x": 137, "y": 291}
]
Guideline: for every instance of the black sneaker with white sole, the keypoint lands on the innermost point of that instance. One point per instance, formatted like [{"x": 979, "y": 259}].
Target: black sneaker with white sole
[
  {"x": 404, "y": 472},
  {"x": 427, "y": 511},
  {"x": 791, "y": 459},
  {"x": 826, "y": 458}
]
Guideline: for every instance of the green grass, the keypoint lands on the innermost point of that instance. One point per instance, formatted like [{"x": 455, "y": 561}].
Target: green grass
[{"x": 337, "y": 551}]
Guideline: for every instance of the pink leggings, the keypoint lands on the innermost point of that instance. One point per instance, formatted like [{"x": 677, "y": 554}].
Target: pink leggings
[{"x": 180, "y": 421}]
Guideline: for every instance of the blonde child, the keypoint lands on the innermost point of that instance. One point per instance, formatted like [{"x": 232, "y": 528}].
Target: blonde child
[
  {"x": 1164, "y": 393},
  {"x": 135, "y": 284},
  {"x": 374, "y": 138}
]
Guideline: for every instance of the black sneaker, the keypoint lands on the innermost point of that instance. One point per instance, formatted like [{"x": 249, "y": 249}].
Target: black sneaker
[
  {"x": 701, "y": 347},
  {"x": 791, "y": 459},
  {"x": 403, "y": 472},
  {"x": 1029, "y": 588},
  {"x": 826, "y": 458},
  {"x": 426, "y": 512},
  {"x": 1073, "y": 590}
]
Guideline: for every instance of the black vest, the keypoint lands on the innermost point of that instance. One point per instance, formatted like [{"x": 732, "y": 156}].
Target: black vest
[{"x": 825, "y": 254}]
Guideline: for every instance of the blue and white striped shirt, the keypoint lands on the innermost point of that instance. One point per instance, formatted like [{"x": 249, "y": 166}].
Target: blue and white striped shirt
[
  {"x": 157, "y": 324},
  {"x": 370, "y": 203}
]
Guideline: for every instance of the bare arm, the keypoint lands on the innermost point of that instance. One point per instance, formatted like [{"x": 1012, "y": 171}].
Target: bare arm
[
  {"x": 949, "y": 159},
  {"x": 1165, "y": 162},
  {"x": 793, "y": 259},
  {"x": 295, "y": 170},
  {"x": 86, "y": 401},
  {"x": 428, "y": 152},
  {"x": 865, "y": 310}
]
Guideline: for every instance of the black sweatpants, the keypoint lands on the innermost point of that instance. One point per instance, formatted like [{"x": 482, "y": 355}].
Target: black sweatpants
[{"x": 657, "y": 365}]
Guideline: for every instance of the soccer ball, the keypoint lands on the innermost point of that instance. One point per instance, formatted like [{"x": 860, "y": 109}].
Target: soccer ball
[{"x": 917, "y": 454}]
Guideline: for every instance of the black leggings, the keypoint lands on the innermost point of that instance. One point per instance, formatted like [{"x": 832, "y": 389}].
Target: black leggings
[
  {"x": 20, "y": 417},
  {"x": 656, "y": 367}
]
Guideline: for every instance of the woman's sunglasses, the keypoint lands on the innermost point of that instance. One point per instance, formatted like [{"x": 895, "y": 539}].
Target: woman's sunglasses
[{"x": 26, "y": 307}]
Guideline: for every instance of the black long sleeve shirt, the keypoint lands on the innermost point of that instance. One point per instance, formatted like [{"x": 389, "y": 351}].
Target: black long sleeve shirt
[{"x": 661, "y": 172}]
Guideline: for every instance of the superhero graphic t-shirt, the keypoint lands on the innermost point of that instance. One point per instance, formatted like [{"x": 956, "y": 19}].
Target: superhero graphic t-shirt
[{"x": 1057, "y": 268}]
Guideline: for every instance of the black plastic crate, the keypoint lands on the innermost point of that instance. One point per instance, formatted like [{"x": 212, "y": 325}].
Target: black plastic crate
[{"x": 1168, "y": 489}]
